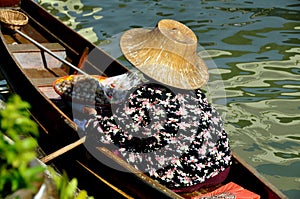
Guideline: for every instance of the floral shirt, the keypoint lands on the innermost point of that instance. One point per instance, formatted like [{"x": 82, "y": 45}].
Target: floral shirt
[{"x": 176, "y": 138}]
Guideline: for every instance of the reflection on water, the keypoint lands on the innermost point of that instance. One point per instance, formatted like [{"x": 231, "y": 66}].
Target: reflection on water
[
  {"x": 255, "y": 45},
  {"x": 74, "y": 14}
]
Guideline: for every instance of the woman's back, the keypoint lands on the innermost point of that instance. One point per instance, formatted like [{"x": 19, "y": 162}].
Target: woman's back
[{"x": 175, "y": 136}]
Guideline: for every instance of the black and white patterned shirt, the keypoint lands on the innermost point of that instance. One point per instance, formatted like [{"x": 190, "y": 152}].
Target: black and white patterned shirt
[{"x": 176, "y": 138}]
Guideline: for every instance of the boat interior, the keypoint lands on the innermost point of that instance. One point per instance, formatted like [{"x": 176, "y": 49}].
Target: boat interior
[{"x": 43, "y": 69}]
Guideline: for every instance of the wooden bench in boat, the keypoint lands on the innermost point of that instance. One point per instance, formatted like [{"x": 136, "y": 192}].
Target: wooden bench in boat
[
  {"x": 31, "y": 56},
  {"x": 18, "y": 48},
  {"x": 45, "y": 85},
  {"x": 40, "y": 67}
]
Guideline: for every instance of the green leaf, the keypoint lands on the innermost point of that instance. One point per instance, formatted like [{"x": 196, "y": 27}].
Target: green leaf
[
  {"x": 82, "y": 195},
  {"x": 71, "y": 188},
  {"x": 16, "y": 124},
  {"x": 34, "y": 173}
]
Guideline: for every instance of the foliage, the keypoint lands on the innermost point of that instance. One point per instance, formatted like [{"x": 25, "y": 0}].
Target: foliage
[
  {"x": 66, "y": 188},
  {"x": 17, "y": 147},
  {"x": 17, "y": 150}
]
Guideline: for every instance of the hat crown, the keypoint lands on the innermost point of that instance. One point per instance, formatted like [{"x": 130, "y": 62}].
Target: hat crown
[
  {"x": 177, "y": 32},
  {"x": 172, "y": 36}
]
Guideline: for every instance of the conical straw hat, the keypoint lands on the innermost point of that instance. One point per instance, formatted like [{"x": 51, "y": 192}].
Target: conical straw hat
[{"x": 166, "y": 53}]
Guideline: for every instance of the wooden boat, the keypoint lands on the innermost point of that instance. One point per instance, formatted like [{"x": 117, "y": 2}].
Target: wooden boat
[{"x": 30, "y": 72}]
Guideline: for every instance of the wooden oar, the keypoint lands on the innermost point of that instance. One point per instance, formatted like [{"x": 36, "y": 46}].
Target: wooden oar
[
  {"x": 63, "y": 150},
  {"x": 56, "y": 153}
]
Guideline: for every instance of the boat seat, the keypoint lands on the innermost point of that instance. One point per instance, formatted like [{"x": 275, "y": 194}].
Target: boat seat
[
  {"x": 45, "y": 85},
  {"x": 44, "y": 82},
  {"x": 18, "y": 48},
  {"x": 50, "y": 93},
  {"x": 31, "y": 56}
]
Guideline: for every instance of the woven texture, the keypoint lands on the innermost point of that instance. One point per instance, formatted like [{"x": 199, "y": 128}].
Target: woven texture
[
  {"x": 13, "y": 19},
  {"x": 167, "y": 54}
]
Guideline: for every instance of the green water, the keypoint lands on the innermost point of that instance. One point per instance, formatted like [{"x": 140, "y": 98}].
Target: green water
[{"x": 256, "y": 84}]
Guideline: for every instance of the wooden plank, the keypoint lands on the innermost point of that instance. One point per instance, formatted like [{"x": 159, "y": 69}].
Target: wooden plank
[
  {"x": 9, "y": 39},
  {"x": 25, "y": 48},
  {"x": 49, "y": 92},
  {"x": 44, "y": 73},
  {"x": 63, "y": 150},
  {"x": 29, "y": 30},
  {"x": 36, "y": 59},
  {"x": 34, "y": 33},
  {"x": 42, "y": 82},
  {"x": 59, "y": 72}
]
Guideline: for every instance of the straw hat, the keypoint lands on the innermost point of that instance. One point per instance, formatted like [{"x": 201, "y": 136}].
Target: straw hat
[{"x": 166, "y": 53}]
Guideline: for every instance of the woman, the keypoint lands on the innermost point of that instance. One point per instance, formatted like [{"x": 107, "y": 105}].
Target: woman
[{"x": 166, "y": 127}]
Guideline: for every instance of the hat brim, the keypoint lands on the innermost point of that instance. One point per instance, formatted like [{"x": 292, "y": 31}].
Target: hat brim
[{"x": 170, "y": 68}]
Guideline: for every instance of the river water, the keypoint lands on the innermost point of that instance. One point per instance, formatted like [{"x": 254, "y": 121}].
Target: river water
[{"x": 254, "y": 70}]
